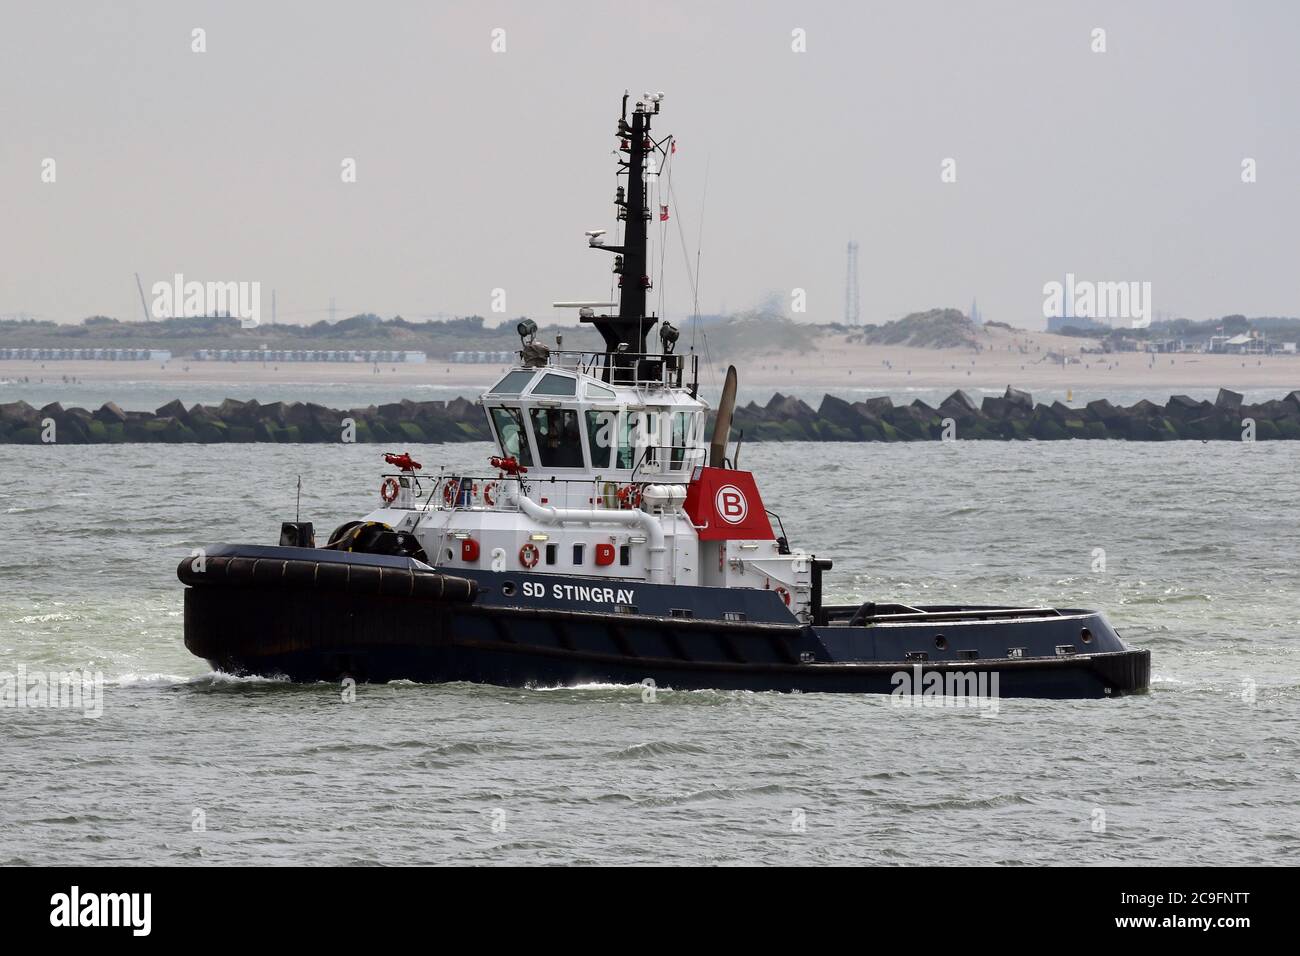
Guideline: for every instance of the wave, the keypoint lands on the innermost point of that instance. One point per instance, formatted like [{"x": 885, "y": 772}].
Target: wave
[
  {"x": 658, "y": 748},
  {"x": 209, "y": 681},
  {"x": 219, "y": 679},
  {"x": 148, "y": 680}
]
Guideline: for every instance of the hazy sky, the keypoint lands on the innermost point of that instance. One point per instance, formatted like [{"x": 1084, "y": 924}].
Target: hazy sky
[{"x": 479, "y": 170}]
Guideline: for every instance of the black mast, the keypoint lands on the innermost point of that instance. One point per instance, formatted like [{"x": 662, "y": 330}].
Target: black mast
[{"x": 627, "y": 331}]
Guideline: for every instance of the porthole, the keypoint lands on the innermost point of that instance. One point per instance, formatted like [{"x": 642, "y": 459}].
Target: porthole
[
  {"x": 1086, "y": 636},
  {"x": 941, "y": 642},
  {"x": 508, "y": 589}
]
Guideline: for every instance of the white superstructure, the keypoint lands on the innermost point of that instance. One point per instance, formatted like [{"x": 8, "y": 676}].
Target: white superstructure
[{"x": 596, "y": 463}]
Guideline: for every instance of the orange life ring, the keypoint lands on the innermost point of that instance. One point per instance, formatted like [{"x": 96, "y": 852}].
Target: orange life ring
[
  {"x": 784, "y": 595},
  {"x": 629, "y": 496},
  {"x": 488, "y": 491},
  {"x": 388, "y": 490},
  {"x": 529, "y": 555},
  {"x": 450, "y": 491}
]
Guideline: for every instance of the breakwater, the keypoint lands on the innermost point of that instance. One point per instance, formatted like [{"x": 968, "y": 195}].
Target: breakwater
[
  {"x": 405, "y": 422},
  {"x": 1014, "y": 416}
]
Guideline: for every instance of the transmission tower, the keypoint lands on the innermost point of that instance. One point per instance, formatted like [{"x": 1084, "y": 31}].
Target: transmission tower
[{"x": 852, "y": 308}]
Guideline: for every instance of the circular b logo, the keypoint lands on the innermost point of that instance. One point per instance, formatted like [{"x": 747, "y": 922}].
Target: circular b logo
[{"x": 731, "y": 504}]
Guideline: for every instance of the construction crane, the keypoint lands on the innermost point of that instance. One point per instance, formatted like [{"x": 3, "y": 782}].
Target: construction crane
[{"x": 143, "y": 304}]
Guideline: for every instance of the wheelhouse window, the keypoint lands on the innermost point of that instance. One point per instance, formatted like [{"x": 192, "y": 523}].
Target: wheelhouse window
[
  {"x": 602, "y": 428},
  {"x": 652, "y": 437},
  {"x": 627, "y": 440},
  {"x": 509, "y": 424},
  {"x": 558, "y": 443},
  {"x": 552, "y": 384},
  {"x": 680, "y": 437},
  {"x": 513, "y": 383}
]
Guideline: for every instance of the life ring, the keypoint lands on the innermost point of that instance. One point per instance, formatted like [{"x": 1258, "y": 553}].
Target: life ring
[
  {"x": 529, "y": 555},
  {"x": 388, "y": 490},
  {"x": 489, "y": 490},
  {"x": 784, "y": 595},
  {"x": 629, "y": 496},
  {"x": 450, "y": 491}
]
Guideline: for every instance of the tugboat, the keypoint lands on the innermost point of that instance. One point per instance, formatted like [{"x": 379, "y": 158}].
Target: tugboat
[{"x": 609, "y": 540}]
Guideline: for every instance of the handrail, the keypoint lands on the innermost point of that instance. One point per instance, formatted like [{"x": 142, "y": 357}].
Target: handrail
[
  {"x": 918, "y": 615},
  {"x": 419, "y": 488},
  {"x": 685, "y": 466},
  {"x": 595, "y": 493},
  {"x": 624, "y": 368},
  {"x": 839, "y": 612}
]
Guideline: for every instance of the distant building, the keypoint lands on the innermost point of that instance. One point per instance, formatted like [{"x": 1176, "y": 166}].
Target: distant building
[
  {"x": 494, "y": 357},
  {"x": 87, "y": 355},
  {"x": 1245, "y": 343},
  {"x": 370, "y": 356},
  {"x": 1166, "y": 345},
  {"x": 1056, "y": 323}
]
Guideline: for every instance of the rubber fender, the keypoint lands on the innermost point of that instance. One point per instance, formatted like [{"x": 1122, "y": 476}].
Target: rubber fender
[{"x": 299, "y": 575}]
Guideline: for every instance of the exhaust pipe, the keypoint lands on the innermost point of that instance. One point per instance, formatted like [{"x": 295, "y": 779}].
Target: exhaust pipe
[{"x": 722, "y": 425}]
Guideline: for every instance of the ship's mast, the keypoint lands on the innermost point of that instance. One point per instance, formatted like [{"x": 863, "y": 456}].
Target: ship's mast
[
  {"x": 636, "y": 275},
  {"x": 627, "y": 331}
]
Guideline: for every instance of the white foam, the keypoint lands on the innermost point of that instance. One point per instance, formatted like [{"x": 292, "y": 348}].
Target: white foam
[{"x": 149, "y": 680}]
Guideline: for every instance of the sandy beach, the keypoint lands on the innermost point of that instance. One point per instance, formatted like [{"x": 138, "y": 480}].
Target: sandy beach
[
  {"x": 182, "y": 372},
  {"x": 1007, "y": 358},
  {"x": 1019, "y": 359}
]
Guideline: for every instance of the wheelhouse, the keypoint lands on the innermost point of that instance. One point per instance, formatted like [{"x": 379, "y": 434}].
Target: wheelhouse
[{"x": 567, "y": 422}]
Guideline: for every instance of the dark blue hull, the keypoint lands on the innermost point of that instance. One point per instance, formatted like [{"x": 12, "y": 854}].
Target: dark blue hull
[
  {"x": 1094, "y": 676},
  {"x": 296, "y": 613}
]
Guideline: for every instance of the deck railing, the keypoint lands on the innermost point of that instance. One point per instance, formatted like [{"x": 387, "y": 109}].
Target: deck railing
[
  {"x": 631, "y": 368},
  {"x": 659, "y": 460},
  {"x": 494, "y": 492}
]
